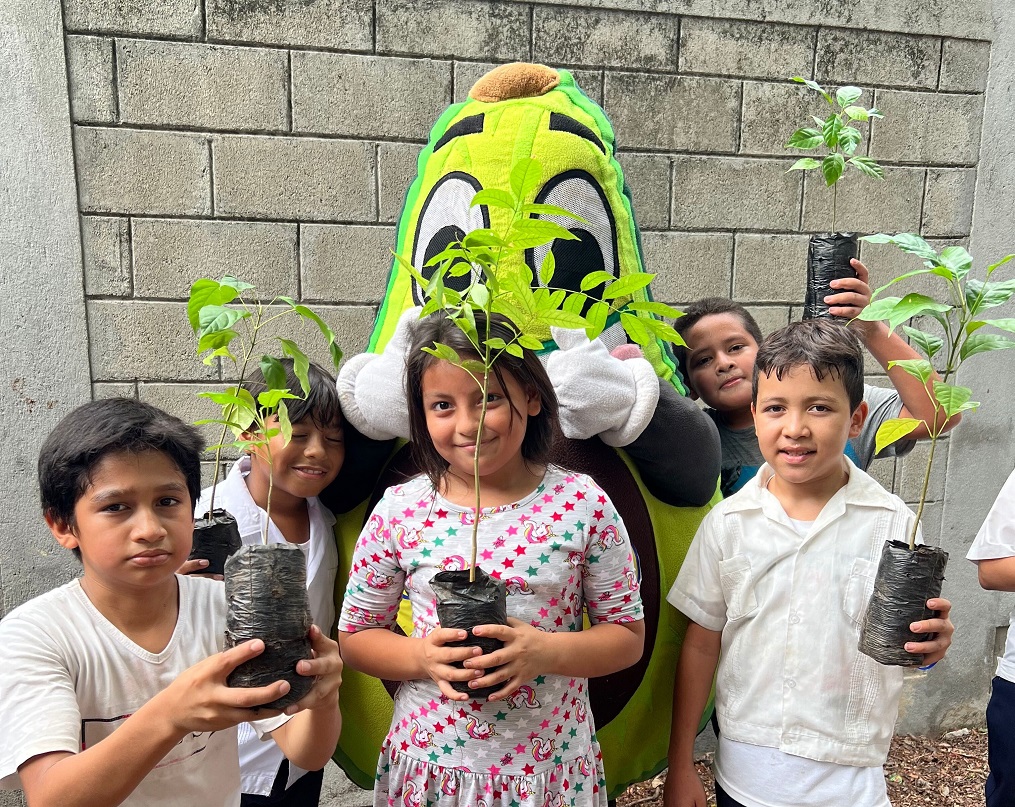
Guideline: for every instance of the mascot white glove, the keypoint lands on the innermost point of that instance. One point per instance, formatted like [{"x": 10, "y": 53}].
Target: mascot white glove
[
  {"x": 371, "y": 386},
  {"x": 600, "y": 394}
]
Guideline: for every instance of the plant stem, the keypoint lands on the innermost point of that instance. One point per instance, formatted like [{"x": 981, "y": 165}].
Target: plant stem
[
  {"x": 923, "y": 492},
  {"x": 271, "y": 483},
  {"x": 475, "y": 470},
  {"x": 835, "y": 189}
]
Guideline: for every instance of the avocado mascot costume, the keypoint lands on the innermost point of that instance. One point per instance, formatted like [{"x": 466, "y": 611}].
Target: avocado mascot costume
[{"x": 611, "y": 394}]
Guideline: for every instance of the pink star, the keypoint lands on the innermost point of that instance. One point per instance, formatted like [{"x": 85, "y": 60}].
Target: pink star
[
  {"x": 512, "y": 530},
  {"x": 547, "y": 498}
]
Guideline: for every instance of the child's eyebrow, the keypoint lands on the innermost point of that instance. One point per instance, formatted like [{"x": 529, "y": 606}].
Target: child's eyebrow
[{"x": 112, "y": 494}]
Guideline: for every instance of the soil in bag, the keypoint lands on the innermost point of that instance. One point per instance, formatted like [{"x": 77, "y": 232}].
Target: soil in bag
[
  {"x": 216, "y": 537},
  {"x": 266, "y": 591},
  {"x": 463, "y": 605},
  {"x": 905, "y": 581},
  {"x": 828, "y": 256}
]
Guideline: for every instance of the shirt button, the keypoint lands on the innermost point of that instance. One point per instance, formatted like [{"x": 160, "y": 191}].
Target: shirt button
[
  {"x": 790, "y": 683},
  {"x": 794, "y": 619}
]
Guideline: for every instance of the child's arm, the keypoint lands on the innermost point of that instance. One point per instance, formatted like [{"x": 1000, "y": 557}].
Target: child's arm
[
  {"x": 699, "y": 655},
  {"x": 887, "y": 346},
  {"x": 997, "y": 574},
  {"x": 108, "y": 772}
]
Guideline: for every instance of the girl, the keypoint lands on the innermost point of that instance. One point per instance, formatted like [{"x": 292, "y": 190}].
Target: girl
[{"x": 556, "y": 541}]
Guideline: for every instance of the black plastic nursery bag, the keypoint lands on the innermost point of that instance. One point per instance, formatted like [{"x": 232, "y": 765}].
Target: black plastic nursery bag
[
  {"x": 216, "y": 537},
  {"x": 828, "y": 256}
]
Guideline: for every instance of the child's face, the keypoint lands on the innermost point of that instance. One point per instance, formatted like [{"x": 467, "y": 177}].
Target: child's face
[
  {"x": 803, "y": 425},
  {"x": 303, "y": 467},
  {"x": 720, "y": 362},
  {"x": 133, "y": 524},
  {"x": 453, "y": 401}
]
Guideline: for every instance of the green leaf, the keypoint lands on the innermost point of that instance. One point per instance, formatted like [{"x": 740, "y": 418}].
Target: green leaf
[
  {"x": 867, "y": 166},
  {"x": 515, "y": 349},
  {"x": 216, "y": 341},
  {"x": 236, "y": 284},
  {"x": 814, "y": 86},
  {"x": 847, "y": 95},
  {"x": 408, "y": 267},
  {"x": 496, "y": 343},
  {"x": 907, "y": 242},
  {"x": 849, "y": 139},
  {"x": 627, "y": 285},
  {"x": 1002, "y": 262},
  {"x": 659, "y": 309},
  {"x": 494, "y": 197},
  {"x": 220, "y": 351},
  {"x": 957, "y": 260},
  {"x": 857, "y": 113},
  {"x": 530, "y": 342},
  {"x": 475, "y": 367},
  {"x": 1005, "y": 324},
  {"x": 804, "y": 139},
  {"x": 322, "y": 326},
  {"x": 552, "y": 210},
  {"x": 562, "y": 319},
  {"x": 273, "y": 372},
  {"x": 270, "y": 398},
  {"x": 593, "y": 279},
  {"x": 893, "y": 281},
  {"x": 547, "y": 268},
  {"x": 206, "y": 292},
  {"x": 874, "y": 112},
  {"x": 443, "y": 352},
  {"x": 984, "y": 343},
  {"x": 635, "y": 328},
  {"x": 528, "y": 233},
  {"x": 597, "y": 316},
  {"x": 918, "y": 368},
  {"x": 214, "y": 318},
  {"x": 830, "y": 129},
  {"x": 914, "y": 305},
  {"x": 526, "y": 177},
  {"x": 662, "y": 331},
  {"x": 480, "y": 295},
  {"x": 574, "y": 303},
  {"x": 803, "y": 164},
  {"x": 832, "y": 167},
  {"x": 229, "y": 400},
  {"x": 980, "y": 295},
  {"x": 301, "y": 364},
  {"x": 892, "y": 430},
  {"x": 285, "y": 426},
  {"x": 927, "y": 342},
  {"x": 952, "y": 398}
]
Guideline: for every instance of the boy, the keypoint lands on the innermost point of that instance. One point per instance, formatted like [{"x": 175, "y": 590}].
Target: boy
[
  {"x": 778, "y": 577},
  {"x": 112, "y": 690},
  {"x": 722, "y": 339}
]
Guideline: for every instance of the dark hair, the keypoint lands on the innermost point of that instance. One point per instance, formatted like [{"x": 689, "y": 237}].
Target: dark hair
[
  {"x": 828, "y": 348},
  {"x": 93, "y": 431},
  {"x": 707, "y": 307},
  {"x": 321, "y": 404},
  {"x": 527, "y": 370}
]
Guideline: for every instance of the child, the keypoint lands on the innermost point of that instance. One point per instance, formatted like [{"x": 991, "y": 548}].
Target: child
[
  {"x": 722, "y": 339},
  {"x": 994, "y": 554},
  {"x": 112, "y": 689},
  {"x": 300, "y": 470},
  {"x": 556, "y": 541},
  {"x": 778, "y": 578}
]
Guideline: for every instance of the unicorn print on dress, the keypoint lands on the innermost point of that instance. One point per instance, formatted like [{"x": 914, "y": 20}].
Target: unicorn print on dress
[
  {"x": 478, "y": 729},
  {"x": 407, "y": 539},
  {"x": 419, "y": 736},
  {"x": 580, "y": 713},
  {"x": 609, "y": 536},
  {"x": 449, "y": 783},
  {"x": 452, "y": 563},
  {"x": 377, "y": 580},
  {"x": 584, "y": 765},
  {"x": 542, "y": 749},
  {"x": 537, "y": 533},
  {"x": 523, "y": 696},
  {"x": 517, "y": 585},
  {"x": 411, "y": 797},
  {"x": 553, "y": 799}
]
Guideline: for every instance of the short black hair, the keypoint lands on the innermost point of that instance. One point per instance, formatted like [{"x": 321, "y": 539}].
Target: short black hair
[
  {"x": 829, "y": 348},
  {"x": 321, "y": 403},
  {"x": 527, "y": 370},
  {"x": 705, "y": 307},
  {"x": 95, "y": 430}
]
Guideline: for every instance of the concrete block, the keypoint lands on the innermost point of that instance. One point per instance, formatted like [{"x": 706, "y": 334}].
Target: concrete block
[
  {"x": 101, "y": 390},
  {"x": 673, "y": 113},
  {"x": 964, "y": 65},
  {"x": 745, "y": 49},
  {"x": 913, "y": 467},
  {"x": 648, "y": 176},
  {"x": 604, "y": 37},
  {"x": 90, "y": 79},
  {"x": 948, "y": 203},
  {"x": 202, "y": 86},
  {"x": 482, "y": 30},
  {"x": 770, "y": 268},
  {"x": 294, "y": 178},
  {"x": 131, "y": 340},
  {"x": 883, "y": 471},
  {"x": 345, "y": 263},
  {"x": 864, "y": 204},
  {"x": 182, "y": 401},
  {"x": 368, "y": 96},
  {"x": 177, "y": 19},
  {"x": 714, "y": 193},
  {"x": 144, "y": 172},
  {"x": 928, "y": 129},
  {"x": 859, "y": 57},
  {"x": 170, "y": 254},
  {"x": 688, "y": 266},
  {"x": 468, "y": 73},
  {"x": 345, "y": 24},
  {"x": 396, "y": 168},
  {"x": 769, "y": 317},
  {"x": 105, "y": 246}
]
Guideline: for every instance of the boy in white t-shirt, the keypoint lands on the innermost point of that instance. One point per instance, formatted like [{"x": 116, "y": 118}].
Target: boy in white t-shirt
[
  {"x": 112, "y": 689},
  {"x": 777, "y": 579}
]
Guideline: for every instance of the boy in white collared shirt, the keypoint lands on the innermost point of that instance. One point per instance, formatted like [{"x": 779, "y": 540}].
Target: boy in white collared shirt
[
  {"x": 777, "y": 579},
  {"x": 301, "y": 469}
]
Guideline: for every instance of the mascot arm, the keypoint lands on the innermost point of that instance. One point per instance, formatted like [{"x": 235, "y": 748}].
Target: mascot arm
[
  {"x": 371, "y": 386},
  {"x": 678, "y": 452}
]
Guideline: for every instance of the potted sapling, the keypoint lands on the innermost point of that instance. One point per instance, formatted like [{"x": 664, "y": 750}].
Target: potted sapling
[
  {"x": 265, "y": 583},
  {"x": 909, "y": 573},
  {"x": 500, "y": 298},
  {"x": 836, "y": 137}
]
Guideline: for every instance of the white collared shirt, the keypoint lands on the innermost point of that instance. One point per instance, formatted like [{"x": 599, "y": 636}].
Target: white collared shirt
[
  {"x": 260, "y": 761},
  {"x": 789, "y": 607}
]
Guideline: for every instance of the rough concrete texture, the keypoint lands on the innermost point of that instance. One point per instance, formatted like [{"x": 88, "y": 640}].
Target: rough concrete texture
[
  {"x": 135, "y": 171},
  {"x": 964, "y": 65},
  {"x": 90, "y": 77},
  {"x": 182, "y": 401},
  {"x": 872, "y": 57},
  {"x": 169, "y": 255},
  {"x": 718, "y": 193},
  {"x": 202, "y": 86},
  {"x": 396, "y": 168},
  {"x": 105, "y": 243},
  {"x": 746, "y": 49},
  {"x": 648, "y": 176},
  {"x": 346, "y": 24},
  {"x": 864, "y": 204},
  {"x": 929, "y": 129},
  {"x": 948, "y": 202},
  {"x": 114, "y": 389},
  {"x": 769, "y": 317},
  {"x": 772, "y": 112},
  {"x": 346, "y": 263},
  {"x": 607, "y": 38},
  {"x": 770, "y": 268},
  {"x": 294, "y": 178},
  {"x": 688, "y": 265},
  {"x": 178, "y": 19},
  {"x": 495, "y": 30}
]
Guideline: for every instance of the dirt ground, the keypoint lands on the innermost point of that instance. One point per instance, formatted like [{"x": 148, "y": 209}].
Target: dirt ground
[{"x": 947, "y": 772}]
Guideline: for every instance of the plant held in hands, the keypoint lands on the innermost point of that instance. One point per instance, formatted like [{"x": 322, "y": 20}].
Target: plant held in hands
[
  {"x": 837, "y": 138},
  {"x": 265, "y": 583},
  {"x": 908, "y": 574}
]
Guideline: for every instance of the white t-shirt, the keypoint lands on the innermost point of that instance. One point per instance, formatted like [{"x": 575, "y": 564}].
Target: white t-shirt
[
  {"x": 69, "y": 677},
  {"x": 996, "y": 539},
  {"x": 260, "y": 761}
]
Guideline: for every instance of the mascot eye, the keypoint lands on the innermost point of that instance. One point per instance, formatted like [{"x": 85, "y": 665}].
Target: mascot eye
[
  {"x": 596, "y": 247},
  {"x": 446, "y": 217}
]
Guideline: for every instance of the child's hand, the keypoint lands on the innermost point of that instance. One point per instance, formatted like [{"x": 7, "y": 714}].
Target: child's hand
[
  {"x": 683, "y": 787},
  {"x": 935, "y": 649},
  {"x": 194, "y": 569},
  {"x": 851, "y": 296},
  {"x": 326, "y": 665},
  {"x": 438, "y": 660},
  {"x": 521, "y": 659}
]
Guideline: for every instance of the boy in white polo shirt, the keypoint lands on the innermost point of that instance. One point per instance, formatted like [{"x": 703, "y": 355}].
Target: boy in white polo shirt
[{"x": 777, "y": 579}]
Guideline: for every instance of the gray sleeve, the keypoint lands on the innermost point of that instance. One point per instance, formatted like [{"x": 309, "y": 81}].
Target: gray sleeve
[{"x": 883, "y": 403}]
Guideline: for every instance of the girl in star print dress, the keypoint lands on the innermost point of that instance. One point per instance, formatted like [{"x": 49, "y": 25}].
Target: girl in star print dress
[{"x": 555, "y": 540}]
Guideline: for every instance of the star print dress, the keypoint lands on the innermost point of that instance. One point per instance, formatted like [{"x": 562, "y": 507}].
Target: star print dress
[{"x": 559, "y": 549}]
